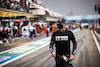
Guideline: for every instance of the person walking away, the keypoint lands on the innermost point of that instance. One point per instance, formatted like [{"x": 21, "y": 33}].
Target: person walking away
[
  {"x": 7, "y": 34},
  {"x": 80, "y": 27},
  {"x": 31, "y": 31},
  {"x": 13, "y": 31},
  {"x": 45, "y": 29},
  {"x": 42, "y": 28},
  {"x": 53, "y": 27},
  {"x": 74, "y": 26},
  {"x": 34, "y": 31},
  {"x": 16, "y": 30},
  {"x": 39, "y": 29},
  {"x": 61, "y": 39},
  {"x": 93, "y": 28},
  {"x": 90, "y": 26},
  {"x": 67, "y": 27},
  {"x": 1, "y": 35},
  {"x": 48, "y": 29}
]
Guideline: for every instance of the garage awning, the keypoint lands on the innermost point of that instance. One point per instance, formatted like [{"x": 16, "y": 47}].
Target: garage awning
[
  {"x": 52, "y": 19},
  {"x": 9, "y": 14},
  {"x": 13, "y": 13}
]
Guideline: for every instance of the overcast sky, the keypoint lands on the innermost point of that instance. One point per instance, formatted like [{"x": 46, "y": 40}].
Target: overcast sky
[{"x": 76, "y": 7}]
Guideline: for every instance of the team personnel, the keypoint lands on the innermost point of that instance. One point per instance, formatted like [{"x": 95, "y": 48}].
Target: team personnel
[{"x": 61, "y": 39}]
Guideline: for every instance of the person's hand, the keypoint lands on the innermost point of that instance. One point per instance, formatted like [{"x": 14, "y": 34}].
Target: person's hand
[
  {"x": 71, "y": 57},
  {"x": 53, "y": 54}
]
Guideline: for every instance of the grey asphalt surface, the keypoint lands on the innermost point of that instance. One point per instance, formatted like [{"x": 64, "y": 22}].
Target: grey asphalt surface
[
  {"x": 87, "y": 54},
  {"x": 22, "y": 40}
]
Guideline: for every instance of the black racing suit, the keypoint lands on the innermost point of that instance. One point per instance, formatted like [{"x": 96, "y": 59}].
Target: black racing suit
[{"x": 62, "y": 39}]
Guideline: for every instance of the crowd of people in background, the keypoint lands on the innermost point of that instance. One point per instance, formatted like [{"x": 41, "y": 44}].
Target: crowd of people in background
[
  {"x": 31, "y": 30},
  {"x": 5, "y": 33},
  {"x": 16, "y": 31},
  {"x": 14, "y": 5},
  {"x": 9, "y": 4}
]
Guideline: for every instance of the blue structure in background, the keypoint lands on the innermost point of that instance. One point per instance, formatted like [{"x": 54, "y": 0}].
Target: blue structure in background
[
  {"x": 88, "y": 21},
  {"x": 84, "y": 17},
  {"x": 68, "y": 22}
]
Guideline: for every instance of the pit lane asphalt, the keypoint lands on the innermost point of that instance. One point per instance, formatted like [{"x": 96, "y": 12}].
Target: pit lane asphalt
[{"x": 87, "y": 54}]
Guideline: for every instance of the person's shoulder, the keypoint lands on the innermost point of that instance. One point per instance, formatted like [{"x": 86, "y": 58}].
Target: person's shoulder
[
  {"x": 69, "y": 31},
  {"x": 55, "y": 32}
]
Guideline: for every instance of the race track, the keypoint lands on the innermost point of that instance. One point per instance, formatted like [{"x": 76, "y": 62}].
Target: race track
[{"x": 87, "y": 54}]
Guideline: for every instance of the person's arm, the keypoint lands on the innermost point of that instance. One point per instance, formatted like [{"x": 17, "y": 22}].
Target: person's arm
[
  {"x": 74, "y": 43},
  {"x": 74, "y": 46},
  {"x": 51, "y": 45}
]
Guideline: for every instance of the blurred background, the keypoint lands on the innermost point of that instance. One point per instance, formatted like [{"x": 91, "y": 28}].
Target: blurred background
[{"x": 26, "y": 27}]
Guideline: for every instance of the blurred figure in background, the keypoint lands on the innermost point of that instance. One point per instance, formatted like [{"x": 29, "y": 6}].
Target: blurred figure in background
[
  {"x": 34, "y": 31},
  {"x": 12, "y": 5},
  {"x": 1, "y": 27},
  {"x": 15, "y": 30},
  {"x": 81, "y": 26},
  {"x": 93, "y": 28},
  {"x": 42, "y": 27},
  {"x": 1, "y": 35},
  {"x": 45, "y": 29},
  {"x": 54, "y": 27},
  {"x": 48, "y": 29},
  {"x": 7, "y": 4},
  {"x": 31, "y": 31},
  {"x": 25, "y": 29},
  {"x": 39, "y": 30},
  {"x": 17, "y": 6},
  {"x": 90, "y": 26},
  {"x": 1, "y": 3},
  {"x": 74, "y": 26},
  {"x": 67, "y": 27},
  {"x": 6, "y": 33}
]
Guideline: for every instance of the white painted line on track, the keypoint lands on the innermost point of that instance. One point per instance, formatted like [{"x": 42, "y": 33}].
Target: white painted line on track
[
  {"x": 22, "y": 55},
  {"x": 20, "y": 46},
  {"x": 96, "y": 42}
]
